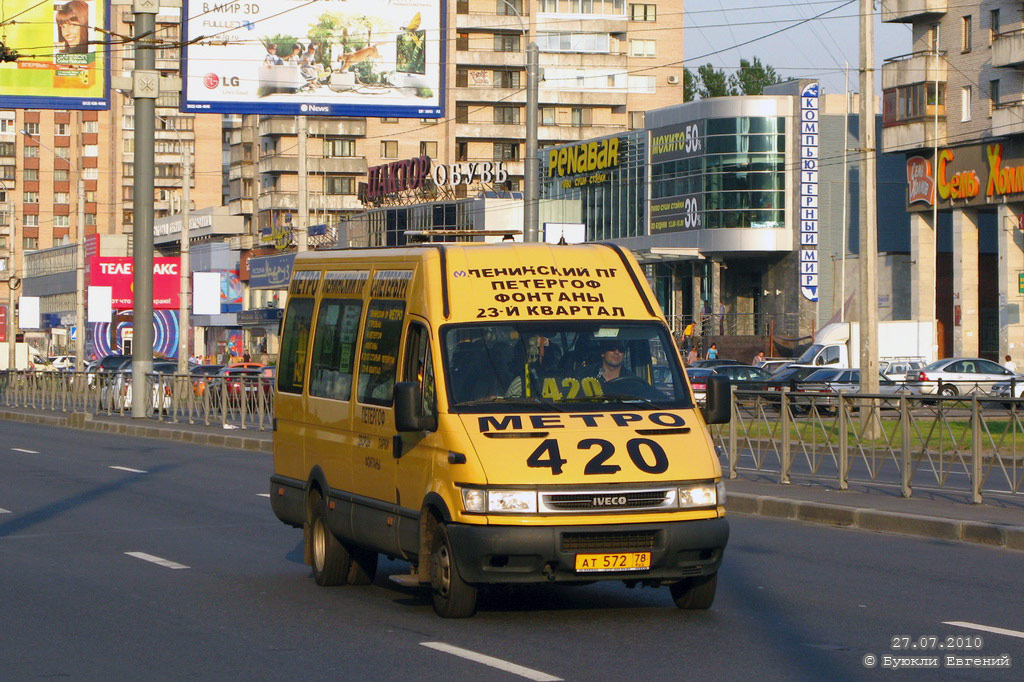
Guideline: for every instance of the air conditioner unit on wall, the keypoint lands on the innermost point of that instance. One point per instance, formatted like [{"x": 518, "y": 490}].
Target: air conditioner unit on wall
[{"x": 672, "y": 80}]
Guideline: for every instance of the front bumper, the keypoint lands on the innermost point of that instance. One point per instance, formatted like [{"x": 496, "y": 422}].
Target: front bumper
[{"x": 533, "y": 554}]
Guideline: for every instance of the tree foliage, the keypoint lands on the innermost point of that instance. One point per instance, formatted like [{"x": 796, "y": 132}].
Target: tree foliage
[
  {"x": 750, "y": 79},
  {"x": 713, "y": 82}
]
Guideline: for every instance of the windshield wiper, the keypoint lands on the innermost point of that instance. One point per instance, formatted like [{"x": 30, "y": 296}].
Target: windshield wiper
[
  {"x": 494, "y": 400},
  {"x": 608, "y": 397}
]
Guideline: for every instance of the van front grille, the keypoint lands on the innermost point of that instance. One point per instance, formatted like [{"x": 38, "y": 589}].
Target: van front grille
[
  {"x": 626, "y": 541},
  {"x": 604, "y": 501}
]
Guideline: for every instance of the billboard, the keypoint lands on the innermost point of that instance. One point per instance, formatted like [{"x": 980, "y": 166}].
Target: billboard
[
  {"x": 63, "y": 50},
  {"x": 117, "y": 273},
  {"x": 325, "y": 58}
]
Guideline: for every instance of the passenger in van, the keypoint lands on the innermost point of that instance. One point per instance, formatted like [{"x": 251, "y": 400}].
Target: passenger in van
[{"x": 539, "y": 358}]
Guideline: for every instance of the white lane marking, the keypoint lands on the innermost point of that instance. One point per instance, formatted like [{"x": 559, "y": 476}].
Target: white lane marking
[
  {"x": 27, "y": 452},
  {"x": 985, "y": 628},
  {"x": 263, "y": 494},
  {"x": 5, "y": 511},
  {"x": 528, "y": 673},
  {"x": 156, "y": 560},
  {"x": 134, "y": 471}
]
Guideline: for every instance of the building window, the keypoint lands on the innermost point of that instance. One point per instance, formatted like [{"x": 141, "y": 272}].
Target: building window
[
  {"x": 60, "y": 129},
  {"x": 127, "y": 217},
  {"x": 506, "y": 115},
  {"x": 428, "y": 149},
  {"x": 640, "y": 12},
  {"x": 993, "y": 90},
  {"x": 582, "y": 117},
  {"x": 965, "y": 37},
  {"x": 32, "y": 128},
  {"x": 462, "y": 42},
  {"x": 461, "y": 78},
  {"x": 91, "y": 150},
  {"x": 128, "y": 122},
  {"x": 506, "y": 79},
  {"x": 61, "y": 198},
  {"x": 933, "y": 38},
  {"x": 30, "y": 220},
  {"x": 61, "y": 221},
  {"x": 128, "y": 170},
  {"x": 462, "y": 113},
  {"x": 506, "y": 43},
  {"x": 7, "y": 149},
  {"x": 340, "y": 184},
  {"x": 388, "y": 120},
  {"x": 389, "y": 149},
  {"x": 90, "y": 126},
  {"x": 506, "y": 151},
  {"x": 462, "y": 7},
  {"x": 547, "y": 116},
  {"x": 29, "y": 243},
  {"x": 965, "y": 103},
  {"x": 641, "y": 48},
  {"x": 461, "y": 151},
  {"x": 7, "y": 125},
  {"x": 91, "y": 173},
  {"x": 59, "y": 174},
  {"x": 510, "y": 8},
  {"x": 636, "y": 120},
  {"x": 30, "y": 198},
  {"x": 31, "y": 152},
  {"x": 339, "y": 148},
  {"x": 31, "y": 175},
  {"x": 62, "y": 152},
  {"x": 993, "y": 25}
]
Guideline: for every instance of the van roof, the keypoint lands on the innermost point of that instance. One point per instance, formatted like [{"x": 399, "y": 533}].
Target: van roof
[{"x": 510, "y": 280}]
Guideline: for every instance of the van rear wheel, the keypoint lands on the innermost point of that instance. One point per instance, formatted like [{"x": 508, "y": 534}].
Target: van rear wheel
[
  {"x": 330, "y": 559},
  {"x": 695, "y": 593},
  {"x": 453, "y": 597}
]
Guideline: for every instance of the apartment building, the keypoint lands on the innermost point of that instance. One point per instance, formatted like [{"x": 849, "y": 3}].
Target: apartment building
[
  {"x": 954, "y": 107},
  {"x": 604, "y": 63}
]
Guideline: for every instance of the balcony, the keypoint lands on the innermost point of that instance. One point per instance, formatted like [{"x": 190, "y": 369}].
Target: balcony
[
  {"x": 240, "y": 206},
  {"x": 569, "y": 97},
  {"x": 575, "y": 133},
  {"x": 492, "y": 95},
  {"x": 912, "y": 10},
  {"x": 914, "y": 135},
  {"x": 589, "y": 60},
  {"x": 316, "y": 126},
  {"x": 241, "y": 170},
  {"x": 491, "y": 22},
  {"x": 314, "y": 164},
  {"x": 917, "y": 67},
  {"x": 485, "y": 130},
  {"x": 489, "y": 58},
  {"x": 558, "y": 22},
  {"x": 1008, "y": 118},
  {"x": 1008, "y": 49}
]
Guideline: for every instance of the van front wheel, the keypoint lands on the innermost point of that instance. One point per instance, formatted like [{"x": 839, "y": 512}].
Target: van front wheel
[
  {"x": 695, "y": 593},
  {"x": 330, "y": 559},
  {"x": 453, "y": 597}
]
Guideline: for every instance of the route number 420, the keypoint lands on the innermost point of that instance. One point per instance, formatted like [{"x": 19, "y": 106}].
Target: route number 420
[{"x": 647, "y": 455}]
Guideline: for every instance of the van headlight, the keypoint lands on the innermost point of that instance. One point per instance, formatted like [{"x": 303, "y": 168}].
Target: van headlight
[
  {"x": 499, "y": 501},
  {"x": 700, "y": 495}
]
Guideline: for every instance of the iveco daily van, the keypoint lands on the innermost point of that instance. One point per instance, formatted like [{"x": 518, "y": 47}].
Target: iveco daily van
[{"x": 493, "y": 413}]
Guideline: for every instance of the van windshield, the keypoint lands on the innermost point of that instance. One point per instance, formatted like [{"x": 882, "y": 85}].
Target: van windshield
[
  {"x": 809, "y": 354},
  {"x": 561, "y": 365}
]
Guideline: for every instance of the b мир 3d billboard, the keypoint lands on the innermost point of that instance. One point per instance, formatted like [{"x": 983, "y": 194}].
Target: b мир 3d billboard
[
  {"x": 325, "y": 58},
  {"x": 63, "y": 51}
]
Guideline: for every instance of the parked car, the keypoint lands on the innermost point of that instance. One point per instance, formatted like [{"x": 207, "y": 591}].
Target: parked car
[
  {"x": 897, "y": 370},
  {"x": 715, "y": 363},
  {"x": 745, "y": 377},
  {"x": 203, "y": 378},
  {"x": 62, "y": 362},
  {"x": 117, "y": 394},
  {"x": 247, "y": 381},
  {"x": 773, "y": 365},
  {"x": 959, "y": 376},
  {"x": 844, "y": 381},
  {"x": 699, "y": 381}
]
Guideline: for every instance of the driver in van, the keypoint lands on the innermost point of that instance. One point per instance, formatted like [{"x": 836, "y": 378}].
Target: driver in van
[{"x": 612, "y": 355}]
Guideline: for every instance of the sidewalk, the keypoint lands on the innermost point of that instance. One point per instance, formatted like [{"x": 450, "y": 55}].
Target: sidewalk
[{"x": 937, "y": 514}]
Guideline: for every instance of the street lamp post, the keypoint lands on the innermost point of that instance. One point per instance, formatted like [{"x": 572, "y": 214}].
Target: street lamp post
[{"x": 531, "y": 165}]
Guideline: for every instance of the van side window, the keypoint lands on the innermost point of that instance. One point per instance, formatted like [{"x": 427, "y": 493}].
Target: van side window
[
  {"x": 419, "y": 367},
  {"x": 378, "y": 357},
  {"x": 334, "y": 349},
  {"x": 831, "y": 355},
  {"x": 291, "y": 370}
]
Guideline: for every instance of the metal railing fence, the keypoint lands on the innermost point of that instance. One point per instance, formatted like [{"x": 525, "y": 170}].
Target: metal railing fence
[
  {"x": 244, "y": 402},
  {"x": 973, "y": 444}
]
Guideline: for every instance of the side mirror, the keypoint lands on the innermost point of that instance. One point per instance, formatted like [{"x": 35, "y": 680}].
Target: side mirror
[
  {"x": 407, "y": 409},
  {"x": 718, "y": 400}
]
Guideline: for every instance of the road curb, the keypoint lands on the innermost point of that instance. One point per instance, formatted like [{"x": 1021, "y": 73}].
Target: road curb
[
  {"x": 954, "y": 530},
  {"x": 85, "y": 421}
]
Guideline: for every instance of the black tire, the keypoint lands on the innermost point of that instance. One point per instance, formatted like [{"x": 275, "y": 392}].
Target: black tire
[
  {"x": 363, "y": 568},
  {"x": 948, "y": 390},
  {"x": 695, "y": 593},
  {"x": 453, "y": 597},
  {"x": 328, "y": 557}
]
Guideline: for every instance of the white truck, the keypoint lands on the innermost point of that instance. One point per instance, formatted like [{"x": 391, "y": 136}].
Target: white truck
[
  {"x": 24, "y": 354},
  {"x": 838, "y": 344}
]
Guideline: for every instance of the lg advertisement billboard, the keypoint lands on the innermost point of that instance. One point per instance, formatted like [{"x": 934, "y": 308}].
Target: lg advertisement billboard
[
  {"x": 62, "y": 54},
  {"x": 325, "y": 58}
]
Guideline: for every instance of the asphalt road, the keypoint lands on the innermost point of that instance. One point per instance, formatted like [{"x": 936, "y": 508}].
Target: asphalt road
[{"x": 215, "y": 588}]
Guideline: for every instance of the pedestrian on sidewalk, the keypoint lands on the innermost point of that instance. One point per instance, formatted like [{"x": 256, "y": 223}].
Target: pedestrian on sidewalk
[
  {"x": 713, "y": 352},
  {"x": 691, "y": 357},
  {"x": 1010, "y": 364},
  {"x": 759, "y": 358}
]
